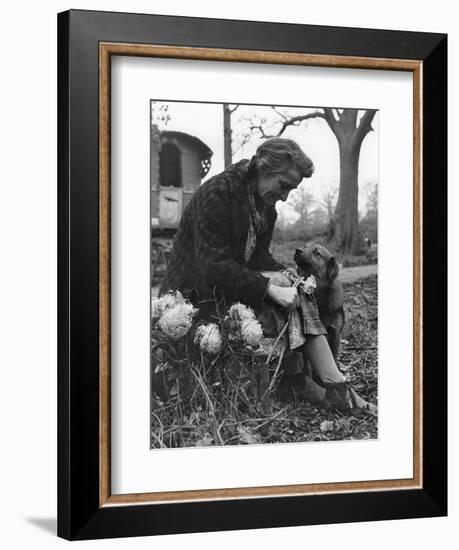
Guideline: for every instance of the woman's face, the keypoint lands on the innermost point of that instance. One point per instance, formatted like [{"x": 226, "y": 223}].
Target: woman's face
[{"x": 277, "y": 186}]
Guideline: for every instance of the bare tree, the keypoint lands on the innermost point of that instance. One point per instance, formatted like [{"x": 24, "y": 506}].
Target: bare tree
[
  {"x": 329, "y": 201},
  {"x": 160, "y": 113},
  {"x": 228, "y": 133},
  {"x": 350, "y": 131},
  {"x": 301, "y": 201},
  {"x": 369, "y": 222},
  {"x": 372, "y": 198},
  {"x": 318, "y": 220}
]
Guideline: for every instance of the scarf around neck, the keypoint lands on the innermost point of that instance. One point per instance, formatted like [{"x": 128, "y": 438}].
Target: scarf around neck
[{"x": 257, "y": 223}]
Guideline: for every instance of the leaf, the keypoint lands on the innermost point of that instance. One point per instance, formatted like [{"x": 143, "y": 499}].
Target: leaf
[
  {"x": 194, "y": 418},
  {"x": 344, "y": 423},
  {"x": 205, "y": 441},
  {"x": 327, "y": 425},
  {"x": 174, "y": 373},
  {"x": 245, "y": 436},
  {"x": 342, "y": 367},
  {"x": 159, "y": 337},
  {"x": 160, "y": 367}
]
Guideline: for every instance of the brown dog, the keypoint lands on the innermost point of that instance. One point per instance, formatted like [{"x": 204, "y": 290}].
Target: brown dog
[{"x": 315, "y": 259}]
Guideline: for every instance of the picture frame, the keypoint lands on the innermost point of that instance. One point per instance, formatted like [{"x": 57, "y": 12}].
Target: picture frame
[{"x": 87, "y": 509}]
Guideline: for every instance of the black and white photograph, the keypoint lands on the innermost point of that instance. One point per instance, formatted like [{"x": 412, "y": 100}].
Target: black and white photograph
[{"x": 264, "y": 274}]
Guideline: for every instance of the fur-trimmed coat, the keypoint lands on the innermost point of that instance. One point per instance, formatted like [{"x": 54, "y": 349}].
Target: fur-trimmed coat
[{"x": 208, "y": 254}]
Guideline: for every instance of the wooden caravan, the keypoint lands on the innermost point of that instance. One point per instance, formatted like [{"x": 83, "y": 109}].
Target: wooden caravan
[{"x": 178, "y": 164}]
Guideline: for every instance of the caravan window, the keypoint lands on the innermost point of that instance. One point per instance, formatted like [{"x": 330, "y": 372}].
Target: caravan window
[{"x": 170, "y": 169}]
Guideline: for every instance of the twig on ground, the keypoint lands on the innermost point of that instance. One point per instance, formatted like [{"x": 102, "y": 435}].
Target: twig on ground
[
  {"x": 217, "y": 436},
  {"x": 161, "y": 444},
  {"x": 267, "y": 421},
  {"x": 358, "y": 348},
  {"x": 282, "y": 332},
  {"x": 161, "y": 427},
  {"x": 276, "y": 372}
]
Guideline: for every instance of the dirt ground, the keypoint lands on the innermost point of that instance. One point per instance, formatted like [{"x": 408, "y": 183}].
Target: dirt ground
[
  {"x": 293, "y": 420},
  {"x": 351, "y": 274}
]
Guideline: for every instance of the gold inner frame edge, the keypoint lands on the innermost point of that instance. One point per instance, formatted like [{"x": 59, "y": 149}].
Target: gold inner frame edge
[{"x": 106, "y": 50}]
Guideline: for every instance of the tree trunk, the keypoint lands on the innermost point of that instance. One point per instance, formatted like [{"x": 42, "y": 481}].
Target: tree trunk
[
  {"x": 345, "y": 235},
  {"x": 227, "y": 149}
]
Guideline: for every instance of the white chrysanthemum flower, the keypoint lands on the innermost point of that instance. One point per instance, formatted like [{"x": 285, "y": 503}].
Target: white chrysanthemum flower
[
  {"x": 176, "y": 321},
  {"x": 241, "y": 312},
  {"x": 310, "y": 284},
  {"x": 208, "y": 338},
  {"x": 251, "y": 332},
  {"x": 179, "y": 297},
  {"x": 159, "y": 305},
  {"x": 201, "y": 330}
]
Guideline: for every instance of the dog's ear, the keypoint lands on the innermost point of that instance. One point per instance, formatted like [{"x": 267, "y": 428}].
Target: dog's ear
[{"x": 332, "y": 269}]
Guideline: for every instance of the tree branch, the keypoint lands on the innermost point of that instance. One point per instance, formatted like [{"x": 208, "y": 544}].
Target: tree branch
[
  {"x": 294, "y": 121},
  {"x": 245, "y": 139},
  {"x": 330, "y": 118},
  {"x": 282, "y": 115},
  {"x": 260, "y": 129},
  {"x": 365, "y": 123},
  {"x": 349, "y": 118}
]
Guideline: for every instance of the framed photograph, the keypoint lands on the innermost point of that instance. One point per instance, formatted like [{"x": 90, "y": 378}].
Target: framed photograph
[{"x": 252, "y": 275}]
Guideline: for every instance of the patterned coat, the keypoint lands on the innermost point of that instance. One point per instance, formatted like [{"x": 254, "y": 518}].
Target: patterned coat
[{"x": 209, "y": 249}]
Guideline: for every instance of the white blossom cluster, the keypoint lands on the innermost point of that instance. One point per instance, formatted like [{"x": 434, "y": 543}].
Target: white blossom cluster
[
  {"x": 208, "y": 338},
  {"x": 173, "y": 314},
  {"x": 245, "y": 323}
]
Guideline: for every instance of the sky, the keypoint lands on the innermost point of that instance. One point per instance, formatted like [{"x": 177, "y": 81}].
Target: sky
[{"x": 205, "y": 121}]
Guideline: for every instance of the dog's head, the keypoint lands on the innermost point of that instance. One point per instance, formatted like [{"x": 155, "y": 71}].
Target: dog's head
[{"x": 315, "y": 259}]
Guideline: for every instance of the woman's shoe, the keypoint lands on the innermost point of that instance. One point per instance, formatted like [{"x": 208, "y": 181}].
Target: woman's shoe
[
  {"x": 304, "y": 388},
  {"x": 340, "y": 396}
]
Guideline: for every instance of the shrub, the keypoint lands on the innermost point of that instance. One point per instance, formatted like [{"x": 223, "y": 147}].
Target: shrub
[{"x": 217, "y": 370}]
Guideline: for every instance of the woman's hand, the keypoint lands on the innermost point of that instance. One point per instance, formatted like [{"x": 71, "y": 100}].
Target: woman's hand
[
  {"x": 286, "y": 297},
  {"x": 292, "y": 272}
]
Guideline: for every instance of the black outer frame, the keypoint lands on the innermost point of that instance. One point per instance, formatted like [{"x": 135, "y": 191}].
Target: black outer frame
[{"x": 79, "y": 515}]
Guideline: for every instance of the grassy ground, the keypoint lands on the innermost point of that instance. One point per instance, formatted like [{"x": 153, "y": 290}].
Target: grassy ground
[{"x": 214, "y": 420}]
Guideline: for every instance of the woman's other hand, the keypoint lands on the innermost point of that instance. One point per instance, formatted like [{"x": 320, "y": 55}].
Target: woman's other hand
[
  {"x": 291, "y": 272},
  {"x": 286, "y": 297}
]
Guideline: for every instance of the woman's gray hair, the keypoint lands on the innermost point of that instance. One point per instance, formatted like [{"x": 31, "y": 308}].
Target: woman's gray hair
[{"x": 280, "y": 154}]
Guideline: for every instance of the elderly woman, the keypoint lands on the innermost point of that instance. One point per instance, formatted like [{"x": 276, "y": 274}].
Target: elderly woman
[{"x": 221, "y": 250}]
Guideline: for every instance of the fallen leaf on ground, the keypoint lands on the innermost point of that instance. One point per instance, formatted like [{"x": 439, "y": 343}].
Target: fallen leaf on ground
[
  {"x": 204, "y": 441},
  {"x": 245, "y": 436},
  {"x": 327, "y": 425}
]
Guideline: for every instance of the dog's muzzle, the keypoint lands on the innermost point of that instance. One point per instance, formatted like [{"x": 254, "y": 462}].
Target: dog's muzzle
[{"x": 299, "y": 258}]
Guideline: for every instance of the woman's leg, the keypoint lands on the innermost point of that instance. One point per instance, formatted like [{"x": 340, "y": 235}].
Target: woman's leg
[{"x": 317, "y": 351}]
